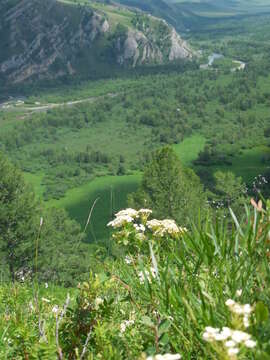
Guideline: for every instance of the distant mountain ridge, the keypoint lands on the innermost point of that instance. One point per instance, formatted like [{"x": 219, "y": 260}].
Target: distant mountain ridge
[{"x": 51, "y": 39}]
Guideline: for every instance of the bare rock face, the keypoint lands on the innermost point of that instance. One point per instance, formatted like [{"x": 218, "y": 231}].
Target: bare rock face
[
  {"x": 179, "y": 47},
  {"x": 42, "y": 43},
  {"x": 145, "y": 44},
  {"x": 49, "y": 39}
]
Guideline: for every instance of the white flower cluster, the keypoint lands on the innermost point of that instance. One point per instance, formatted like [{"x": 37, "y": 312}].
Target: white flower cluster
[
  {"x": 128, "y": 216},
  {"x": 98, "y": 301},
  {"x": 242, "y": 310},
  {"x": 164, "y": 227},
  {"x": 231, "y": 339},
  {"x": 128, "y": 260},
  {"x": 142, "y": 278},
  {"x": 165, "y": 357},
  {"x": 125, "y": 324}
]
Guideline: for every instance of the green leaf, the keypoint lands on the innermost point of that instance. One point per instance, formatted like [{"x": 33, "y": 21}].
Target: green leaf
[
  {"x": 261, "y": 312},
  {"x": 163, "y": 327},
  {"x": 147, "y": 321}
]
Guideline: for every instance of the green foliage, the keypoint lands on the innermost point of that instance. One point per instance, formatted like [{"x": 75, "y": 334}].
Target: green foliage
[
  {"x": 46, "y": 245},
  {"x": 159, "y": 297},
  {"x": 170, "y": 189},
  {"x": 18, "y": 218}
]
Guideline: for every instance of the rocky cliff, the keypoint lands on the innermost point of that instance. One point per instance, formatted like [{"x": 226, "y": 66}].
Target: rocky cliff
[{"x": 51, "y": 39}]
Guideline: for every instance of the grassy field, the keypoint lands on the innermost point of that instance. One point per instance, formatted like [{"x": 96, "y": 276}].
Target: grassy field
[
  {"x": 110, "y": 193},
  {"x": 249, "y": 164},
  {"x": 189, "y": 149}
]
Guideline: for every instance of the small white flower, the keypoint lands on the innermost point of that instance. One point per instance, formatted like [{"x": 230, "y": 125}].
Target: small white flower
[
  {"x": 250, "y": 344},
  {"x": 220, "y": 337},
  {"x": 46, "y": 285},
  {"x": 55, "y": 309},
  {"x": 239, "y": 292},
  {"x": 120, "y": 221},
  {"x": 165, "y": 357},
  {"x": 125, "y": 324},
  {"x": 233, "y": 351},
  {"x": 226, "y": 331},
  {"x": 127, "y": 212},
  {"x": 139, "y": 227},
  {"x": 240, "y": 336},
  {"x": 98, "y": 301},
  {"x": 247, "y": 309},
  {"x": 246, "y": 321},
  {"x": 230, "y": 343},
  {"x": 230, "y": 302},
  {"x": 128, "y": 260}
]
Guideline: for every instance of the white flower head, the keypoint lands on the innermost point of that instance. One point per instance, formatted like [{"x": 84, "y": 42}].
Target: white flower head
[
  {"x": 127, "y": 212},
  {"x": 240, "y": 336},
  {"x": 164, "y": 227},
  {"x": 250, "y": 344},
  {"x": 120, "y": 221}
]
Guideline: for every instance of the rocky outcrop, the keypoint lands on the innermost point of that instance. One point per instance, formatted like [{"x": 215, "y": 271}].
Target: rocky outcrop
[{"x": 49, "y": 39}]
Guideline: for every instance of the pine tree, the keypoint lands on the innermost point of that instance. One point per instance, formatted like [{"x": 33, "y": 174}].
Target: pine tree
[{"x": 169, "y": 189}]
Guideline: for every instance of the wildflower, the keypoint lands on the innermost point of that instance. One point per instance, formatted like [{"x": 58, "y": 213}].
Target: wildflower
[
  {"x": 230, "y": 344},
  {"x": 128, "y": 260},
  {"x": 165, "y": 357},
  {"x": 120, "y": 221},
  {"x": 55, "y": 309},
  {"x": 140, "y": 227},
  {"x": 240, "y": 336},
  {"x": 233, "y": 351},
  {"x": 98, "y": 301},
  {"x": 147, "y": 276},
  {"x": 125, "y": 324},
  {"x": 239, "y": 292},
  {"x": 232, "y": 339},
  {"x": 243, "y": 310},
  {"x": 127, "y": 212},
  {"x": 230, "y": 302},
  {"x": 164, "y": 227},
  {"x": 46, "y": 285},
  {"x": 250, "y": 343}
]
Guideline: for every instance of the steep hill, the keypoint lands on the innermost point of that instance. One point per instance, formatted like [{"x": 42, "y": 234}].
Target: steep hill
[
  {"x": 52, "y": 39},
  {"x": 194, "y": 15}
]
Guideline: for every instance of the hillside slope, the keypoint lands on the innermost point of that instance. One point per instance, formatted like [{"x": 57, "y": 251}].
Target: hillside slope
[{"x": 52, "y": 39}]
